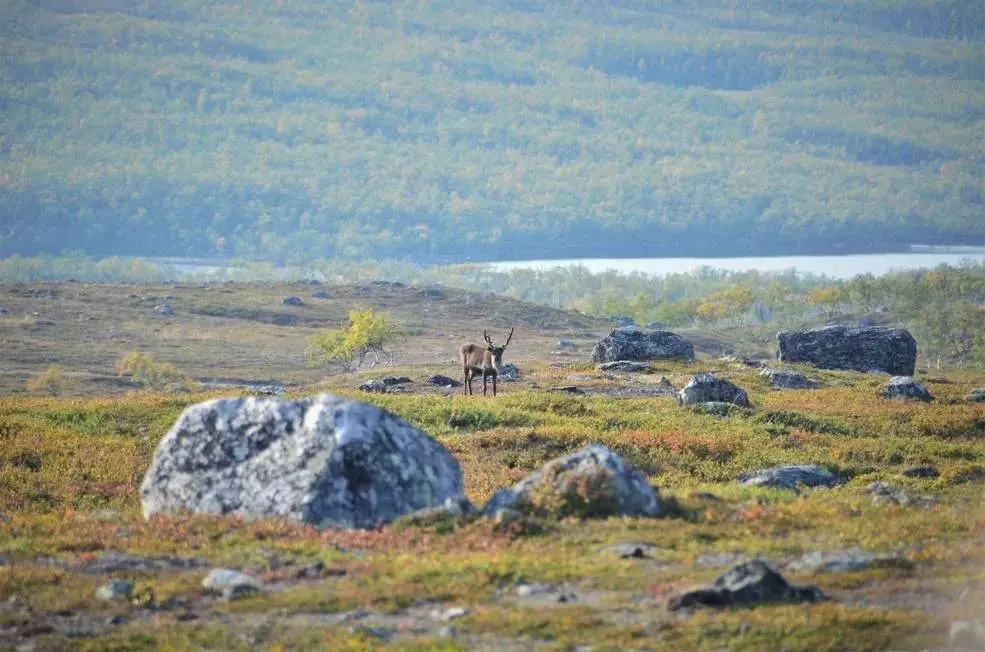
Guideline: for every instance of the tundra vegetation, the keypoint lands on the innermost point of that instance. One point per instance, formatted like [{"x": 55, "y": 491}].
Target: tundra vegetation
[{"x": 71, "y": 466}]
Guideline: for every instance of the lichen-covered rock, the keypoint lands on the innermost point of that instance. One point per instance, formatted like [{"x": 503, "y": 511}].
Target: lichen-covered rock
[
  {"x": 375, "y": 385},
  {"x": 706, "y": 388},
  {"x": 635, "y": 344},
  {"x": 293, "y": 301},
  {"x": 164, "y": 310},
  {"x": 976, "y": 395},
  {"x": 593, "y": 482},
  {"x": 230, "y": 583},
  {"x": 509, "y": 372},
  {"x": 749, "y": 583},
  {"x": 870, "y": 349},
  {"x": 904, "y": 388},
  {"x": 323, "y": 460},
  {"x": 441, "y": 381},
  {"x": 790, "y": 476},
  {"x": 784, "y": 378}
]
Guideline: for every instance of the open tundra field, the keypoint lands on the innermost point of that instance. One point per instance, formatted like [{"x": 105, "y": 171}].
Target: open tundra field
[{"x": 912, "y": 560}]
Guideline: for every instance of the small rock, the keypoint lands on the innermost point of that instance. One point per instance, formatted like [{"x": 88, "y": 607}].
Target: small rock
[
  {"x": 449, "y": 614},
  {"x": 536, "y": 588},
  {"x": 887, "y": 493},
  {"x": 788, "y": 379},
  {"x": 704, "y": 388},
  {"x": 628, "y": 366},
  {"x": 630, "y": 550},
  {"x": 391, "y": 381},
  {"x": 853, "y": 559},
  {"x": 790, "y": 476},
  {"x": 441, "y": 381},
  {"x": 293, "y": 301},
  {"x": 312, "y": 570},
  {"x": 3, "y": 311},
  {"x": 433, "y": 294},
  {"x": 905, "y": 388},
  {"x": 447, "y": 632},
  {"x": 976, "y": 395},
  {"x": 164, "y": 309},
  {"x": 567, "y": 597},
  {"x": 320, "y": 294},
  {"x": 504, "y": 516},
  {"x": 509, "y": 372},
  {"x": 230, "y": 583},
  {"x": 565, "y": 389},
  {"x": 375, "y": 385},
  {"x": 118, "y": 619},
  {"x": 565, "y": 344},
  {"x": 749, "y": 583},
  {"x": 117, "y": 589},
  {"x": 920, "y": 472},
  {"x": 968, "y": 634}
]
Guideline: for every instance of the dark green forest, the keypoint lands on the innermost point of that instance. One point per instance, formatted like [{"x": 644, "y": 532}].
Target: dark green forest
[{"x": 443, "y": 131}]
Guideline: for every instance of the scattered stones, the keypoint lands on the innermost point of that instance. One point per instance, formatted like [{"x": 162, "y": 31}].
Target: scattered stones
[
  {"x": 633, "y": 344},
  {"x": 628, "y": 366},
  {"x": 749, "y": 583},
  {"x": 905, "y": 388},
  {"x": 580, "y": 378},
  {"x": 866, "y": 349},
  {"x": 230, "y": 583},
  {"x": 593, "y": 482},
  {"x": 630, "y": 550},
  {"x": 565, "y": 389},
  {"x": 704, "y": 388},
  {"x": 164, "y": 310},
  {"x": 292, "y": 301},
  {"x": 375, "y": 385},
  {"x": 887, "y": 493},
  {"x": 968, "y": 634},
  {"x": 788, "y": 379},
  {"x": 976, "y": 395},
  {"x": 853, "y": 559},
  {"x": 117, "y": 589},
  {"x": 321, "y": 294},
  {"x": 920, "y": 472},
  {"x": 509, "y": 372},
  {"x": 323, "y": 460},
  {"x": 447, "y": 615},
  {"x": 441, "y": 381},
  {"x": 791, "y": 476}
]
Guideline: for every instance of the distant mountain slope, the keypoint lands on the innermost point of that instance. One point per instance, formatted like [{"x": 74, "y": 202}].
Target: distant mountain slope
[{"x": 490, "y": 129}]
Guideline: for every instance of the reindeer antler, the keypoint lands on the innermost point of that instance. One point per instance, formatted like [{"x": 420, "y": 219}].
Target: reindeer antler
[
  {"x": 485, "y": 336},
  {"x": 510, "y": 337}
]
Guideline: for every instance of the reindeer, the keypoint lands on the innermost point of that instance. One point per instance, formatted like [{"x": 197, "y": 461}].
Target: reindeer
[{"x": 486, "y": 360}]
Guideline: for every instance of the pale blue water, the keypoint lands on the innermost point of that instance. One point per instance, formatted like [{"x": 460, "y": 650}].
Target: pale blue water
[{"x": 834, "y": 266}]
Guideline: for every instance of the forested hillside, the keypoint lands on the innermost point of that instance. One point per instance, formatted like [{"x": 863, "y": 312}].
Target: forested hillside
[{"x": 485, "y": 129}]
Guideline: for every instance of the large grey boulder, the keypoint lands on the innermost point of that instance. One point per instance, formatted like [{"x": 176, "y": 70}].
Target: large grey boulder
[
  {"x": 591, "y": 482},
  {"x": 868, "y": 349},
  {"x": 904, "y": 388},
  {"x": 706, "y": 388},
  {"x": 749, "y": 583},
  {"x": 635, "y": 344},
  {"x": 323, "y": 460}
]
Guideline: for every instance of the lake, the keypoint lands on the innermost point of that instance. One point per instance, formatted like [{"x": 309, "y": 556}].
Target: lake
[{"x": 841, "y": 267}]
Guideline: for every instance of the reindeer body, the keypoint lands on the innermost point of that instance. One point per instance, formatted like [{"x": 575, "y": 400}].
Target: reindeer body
[{"x": 486, "y": 360}]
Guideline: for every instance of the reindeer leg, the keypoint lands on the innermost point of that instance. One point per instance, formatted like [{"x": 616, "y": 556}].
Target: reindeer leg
[
  {"x": 483, "y": 383},
  {"x": 468, "y": 382},
  {"x": 494, "y": 385}
]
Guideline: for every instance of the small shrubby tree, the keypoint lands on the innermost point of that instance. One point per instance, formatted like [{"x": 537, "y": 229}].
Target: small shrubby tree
[
  {"x": 51, "y": 381},
  {"x": 141, "y": 368},
  {"x": 367, "y": 333}
]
